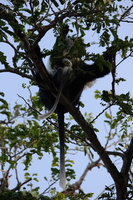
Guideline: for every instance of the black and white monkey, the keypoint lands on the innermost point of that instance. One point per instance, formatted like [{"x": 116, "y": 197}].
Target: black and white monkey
[{"x": 70, "y": 74}]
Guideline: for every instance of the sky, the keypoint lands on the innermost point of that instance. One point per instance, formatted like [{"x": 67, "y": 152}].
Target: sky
[{"x": 11, "y": 85}]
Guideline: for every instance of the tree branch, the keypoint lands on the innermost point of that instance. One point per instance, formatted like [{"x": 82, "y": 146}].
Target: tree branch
[
  {"x": 16, "y": 71},
  {"x": 127, "y": 159}
]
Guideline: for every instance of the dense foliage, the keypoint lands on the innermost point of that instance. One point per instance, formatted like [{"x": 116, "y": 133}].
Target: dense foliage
[{"x": 23, "y": 138}]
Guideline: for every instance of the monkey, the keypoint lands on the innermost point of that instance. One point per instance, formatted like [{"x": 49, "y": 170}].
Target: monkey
[
  {"x": 70, "y": 74},
  {"x": 64, "y": 74}
]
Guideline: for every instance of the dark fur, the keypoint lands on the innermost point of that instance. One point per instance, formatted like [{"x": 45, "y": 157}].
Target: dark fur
[{"x": 82, "y": 73}]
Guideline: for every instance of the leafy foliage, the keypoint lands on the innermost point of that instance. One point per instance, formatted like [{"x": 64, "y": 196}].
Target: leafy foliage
[{"x": 23, "y": 26}]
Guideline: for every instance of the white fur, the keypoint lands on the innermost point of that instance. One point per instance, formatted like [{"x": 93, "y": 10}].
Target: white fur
[
  {"x": 49, "y": 69},
  {"x": 89, "y": 84}
]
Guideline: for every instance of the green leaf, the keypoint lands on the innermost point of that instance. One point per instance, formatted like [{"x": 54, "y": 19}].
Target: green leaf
[
  {"x": 3, "y": 59},
  {"x": 108, "y": 115}
]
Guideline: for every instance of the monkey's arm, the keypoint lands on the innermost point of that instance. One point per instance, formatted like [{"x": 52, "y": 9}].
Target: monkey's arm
[{"x": 87, "y": 73}]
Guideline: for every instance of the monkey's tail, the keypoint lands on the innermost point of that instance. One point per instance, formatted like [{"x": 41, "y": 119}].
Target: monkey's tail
[{"x": 62, "y": 154}]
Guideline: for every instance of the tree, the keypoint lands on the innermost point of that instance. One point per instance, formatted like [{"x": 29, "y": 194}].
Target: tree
[{"x": 24, "y": 24}]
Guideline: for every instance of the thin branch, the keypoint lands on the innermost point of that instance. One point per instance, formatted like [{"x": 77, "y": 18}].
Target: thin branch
[
  {"x": 102, "y": 112},
  {"x": 125, "y": 14},
  {"x": 29, "y": 105},
  {"x": 16, "y": 71},
  {"x": 127, "y": 21},
  {"x": 77, "y": 184},
  {"x": 115, "y": 153},
  {"x": 48, "y": 188},
  {"x": 20, "y": 185},
  {"x": 130, "y": 54}
]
